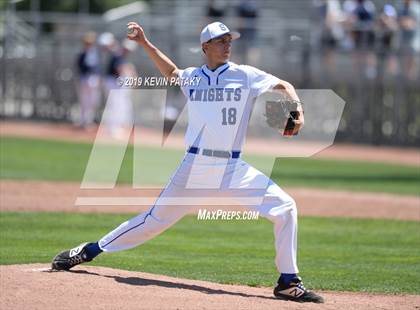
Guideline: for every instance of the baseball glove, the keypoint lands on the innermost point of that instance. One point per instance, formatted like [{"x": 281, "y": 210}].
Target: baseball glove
[{"x": 282, "y": 115}]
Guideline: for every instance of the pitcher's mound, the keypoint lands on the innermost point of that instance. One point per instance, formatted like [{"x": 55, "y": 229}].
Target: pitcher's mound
[{"x": 34, "y": 287}]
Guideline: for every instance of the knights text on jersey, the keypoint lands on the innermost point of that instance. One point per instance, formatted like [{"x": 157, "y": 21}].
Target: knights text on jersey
[{"x": 219, "y": 106}]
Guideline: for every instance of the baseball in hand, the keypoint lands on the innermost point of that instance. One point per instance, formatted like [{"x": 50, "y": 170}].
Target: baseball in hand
[{"x": 132, "y": 32}]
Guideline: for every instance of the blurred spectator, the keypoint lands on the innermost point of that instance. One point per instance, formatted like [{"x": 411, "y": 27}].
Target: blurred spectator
[
  {"x": 360, "y": 22},
  {"x": 409, "y": 21},
  {"x": 118, "y": 114},
  {"x": 387, "y": 29},
  {"x": 88, "y": 63},
  {"x": 215, "y": 10},
  {"x": 329, "y": 31},
  {"x": 409, "y": 18},
  {"x": 348, "y": 7},
  {"x": 363, "y": 24},
  {"x": 247, "y": 11},
  {"x": 330, "y": 18},
  {"x": 108, "y": 42}
]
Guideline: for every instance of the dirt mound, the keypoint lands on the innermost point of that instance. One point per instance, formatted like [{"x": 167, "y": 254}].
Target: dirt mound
[{"x": 34, "y": 287}]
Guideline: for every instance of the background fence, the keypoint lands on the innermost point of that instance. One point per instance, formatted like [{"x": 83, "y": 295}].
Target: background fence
[{"x": 39, "y": 50}]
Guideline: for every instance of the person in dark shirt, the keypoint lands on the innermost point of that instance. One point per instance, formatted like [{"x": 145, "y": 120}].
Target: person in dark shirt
[
  {"x": 363, "y": 27},
  {"x": 409, "y": 22},
  {"x": 215, "y": 9},
  {"x": 88, "y": 63}
]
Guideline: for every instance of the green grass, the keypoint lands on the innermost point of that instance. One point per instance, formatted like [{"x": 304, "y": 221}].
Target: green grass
[
  {"x": 334, "y": 254},
  {"x": 65, "y": 161}
]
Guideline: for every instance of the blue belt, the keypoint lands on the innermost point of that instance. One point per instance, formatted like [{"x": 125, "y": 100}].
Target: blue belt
[{"x": 214, "y": 153}]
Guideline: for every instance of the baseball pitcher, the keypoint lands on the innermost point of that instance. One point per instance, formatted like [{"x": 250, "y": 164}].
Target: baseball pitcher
[{"x": 219, "y": 108}]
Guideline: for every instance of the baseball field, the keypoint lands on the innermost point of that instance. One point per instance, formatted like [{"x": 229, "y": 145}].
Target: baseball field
[{"x": 359, "y": 233}]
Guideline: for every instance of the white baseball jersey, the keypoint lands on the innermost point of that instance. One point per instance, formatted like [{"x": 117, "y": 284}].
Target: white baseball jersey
[{"x": 219, "y": 106}]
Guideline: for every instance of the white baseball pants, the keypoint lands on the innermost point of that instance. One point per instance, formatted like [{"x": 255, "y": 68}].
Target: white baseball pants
[
  {"x": 89, "y": 97},
  {"x": 202, "y": 178}
]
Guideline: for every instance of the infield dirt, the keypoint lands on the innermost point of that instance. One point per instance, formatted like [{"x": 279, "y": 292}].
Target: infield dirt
[
  {"x": 47, "y": 196},
  {"x": 33, "y": 287}
]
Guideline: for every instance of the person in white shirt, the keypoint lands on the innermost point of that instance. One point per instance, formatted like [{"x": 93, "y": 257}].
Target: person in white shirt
[{"x": 219, "y": 108}]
